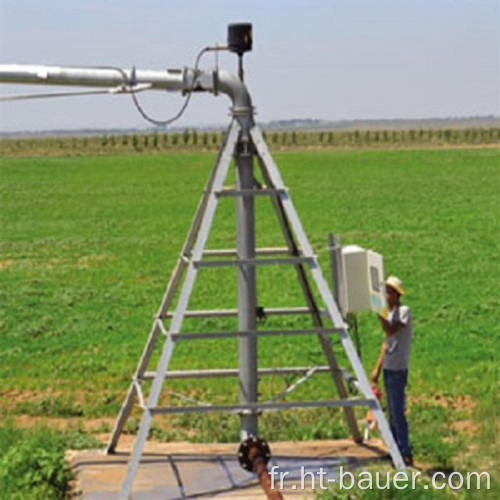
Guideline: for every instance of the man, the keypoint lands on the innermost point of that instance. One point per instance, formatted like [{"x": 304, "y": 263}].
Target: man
[{"x": 394, "y": 357}]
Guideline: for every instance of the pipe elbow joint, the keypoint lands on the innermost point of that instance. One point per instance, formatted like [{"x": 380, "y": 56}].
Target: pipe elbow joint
[{"x": 229, "y": 84}]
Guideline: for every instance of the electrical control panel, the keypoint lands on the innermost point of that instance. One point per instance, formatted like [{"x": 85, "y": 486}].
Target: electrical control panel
[{"x": 363, "y": 288}]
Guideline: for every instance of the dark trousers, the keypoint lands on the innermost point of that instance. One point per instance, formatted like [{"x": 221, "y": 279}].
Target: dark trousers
[{"x": 395, "y": 386}]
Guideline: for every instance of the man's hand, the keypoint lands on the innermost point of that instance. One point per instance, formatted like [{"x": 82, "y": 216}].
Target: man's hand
[{"x": 375, "y": 375}]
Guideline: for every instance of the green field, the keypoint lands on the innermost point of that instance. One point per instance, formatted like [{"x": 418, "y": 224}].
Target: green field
[{"x": 88, "y": 244}]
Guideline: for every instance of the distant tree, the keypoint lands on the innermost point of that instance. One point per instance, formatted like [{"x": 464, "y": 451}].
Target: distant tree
[
  {"x": 357, "y": 136},
  {"x": 367, "y": 138}
]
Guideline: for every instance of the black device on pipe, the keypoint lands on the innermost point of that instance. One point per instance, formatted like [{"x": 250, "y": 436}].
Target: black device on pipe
[{"x": 239, "y": 40}]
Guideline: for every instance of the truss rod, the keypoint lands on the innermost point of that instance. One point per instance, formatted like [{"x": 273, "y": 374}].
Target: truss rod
[{"x": 230, "y": 372}]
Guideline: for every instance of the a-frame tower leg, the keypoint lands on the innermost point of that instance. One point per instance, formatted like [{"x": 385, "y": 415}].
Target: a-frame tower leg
[
  {"x": 199, "y": 233},
  {"x": 224, "y": 157},
  {"x": 310, "y": 301},
  {"x": 288, "y": 209}
]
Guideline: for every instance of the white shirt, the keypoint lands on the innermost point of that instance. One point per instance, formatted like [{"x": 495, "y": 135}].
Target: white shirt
[{"x": 398, "y": 346}]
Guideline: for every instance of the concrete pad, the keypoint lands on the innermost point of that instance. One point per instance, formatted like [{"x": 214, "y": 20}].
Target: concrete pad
[{"x": 187, "y": 470}]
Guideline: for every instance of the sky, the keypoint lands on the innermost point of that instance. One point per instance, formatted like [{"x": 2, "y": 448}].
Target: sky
[{"x": 311, "y": 59}]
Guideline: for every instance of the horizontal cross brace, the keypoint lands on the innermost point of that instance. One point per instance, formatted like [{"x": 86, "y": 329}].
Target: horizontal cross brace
[
  {"x": 249, "y": 192},
  {"x": 254, "y": 262},
  {"x": 225, "y": 313},
  {"x": 231, "y": 252},
  {"x": 233, "y": 372},
  {"x": 251, "y": 333},
  {"x": 258, "y": 407}
]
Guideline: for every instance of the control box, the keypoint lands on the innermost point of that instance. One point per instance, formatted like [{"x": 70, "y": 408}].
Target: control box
[{"x": 364, "y": 287}]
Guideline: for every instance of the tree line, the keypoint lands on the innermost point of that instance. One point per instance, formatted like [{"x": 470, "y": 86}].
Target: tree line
[{"x": 196, "y": 140}]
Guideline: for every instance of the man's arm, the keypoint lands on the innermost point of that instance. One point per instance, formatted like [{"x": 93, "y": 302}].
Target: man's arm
[
  {"x": 380, "y": 362},
  {"x": 389, "y": 328}
]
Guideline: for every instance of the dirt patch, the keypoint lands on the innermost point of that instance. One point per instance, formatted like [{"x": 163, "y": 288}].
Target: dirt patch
[
  {"x": 4, "y": 264},
  {"x": 11, "y": 398},
  {"x": 88, "y": 425},
  {"x": 445, "y": 401},
  {"x": 466, "y": 427},
  {"x": 89, "y": 260}
]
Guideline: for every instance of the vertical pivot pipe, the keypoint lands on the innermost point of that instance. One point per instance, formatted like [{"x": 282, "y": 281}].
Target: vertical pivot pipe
[{"x": 247, "y": 294}]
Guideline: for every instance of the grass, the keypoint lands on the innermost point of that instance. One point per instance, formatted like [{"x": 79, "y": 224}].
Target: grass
[
  {"x": 88, "y": 245},
  {"x": 32, "y": 462}
]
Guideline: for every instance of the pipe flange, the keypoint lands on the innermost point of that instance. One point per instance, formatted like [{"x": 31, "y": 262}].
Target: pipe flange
[{"x": 250, "y": 450}]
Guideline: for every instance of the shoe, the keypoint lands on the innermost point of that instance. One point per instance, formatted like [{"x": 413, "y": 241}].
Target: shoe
[{"x": 408, "y": 460}]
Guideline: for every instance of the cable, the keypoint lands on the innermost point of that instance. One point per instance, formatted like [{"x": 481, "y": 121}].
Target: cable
[
  {"x": 353, "y": 327},
  {"x": 23, "y": 97},
  {"x": 164, "y": 123},
  {"x": 116, "y": 90}
]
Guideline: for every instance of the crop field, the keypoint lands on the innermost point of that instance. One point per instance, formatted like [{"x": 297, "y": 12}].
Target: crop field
[{"x": 88, "y": 244}]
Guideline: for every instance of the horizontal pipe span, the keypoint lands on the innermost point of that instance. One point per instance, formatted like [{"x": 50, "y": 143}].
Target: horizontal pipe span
[
  {"x": 230, "y": 372},
  {"x": 169, "y": 79},
  {"x": 173, "y": 79},
  {"x": 257, "y": 407},
  {"x": 254, "y": 333},
  {"x": 227, "y": 313}
]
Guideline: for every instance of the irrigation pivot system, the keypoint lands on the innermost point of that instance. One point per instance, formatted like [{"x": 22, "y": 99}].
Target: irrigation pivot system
[{"x": 244, "y": 144}]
